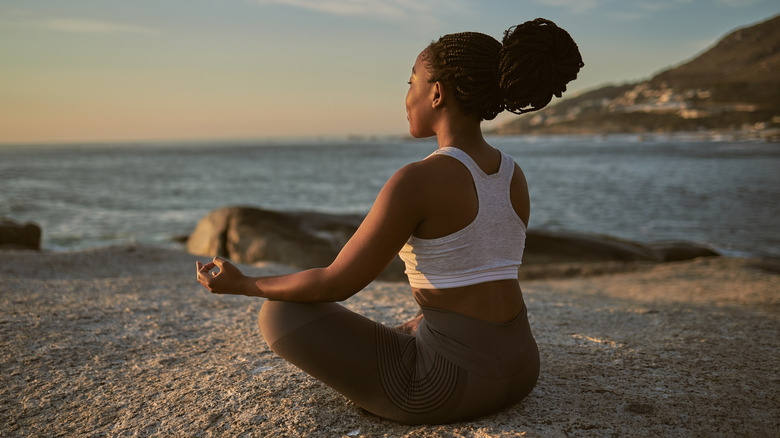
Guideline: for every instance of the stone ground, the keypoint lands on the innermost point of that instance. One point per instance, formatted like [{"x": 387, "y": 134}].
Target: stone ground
[{"x": 123, "y": 342}]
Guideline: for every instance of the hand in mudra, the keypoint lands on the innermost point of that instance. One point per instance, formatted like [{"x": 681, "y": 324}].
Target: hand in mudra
[{"x": 221, "y": 277}]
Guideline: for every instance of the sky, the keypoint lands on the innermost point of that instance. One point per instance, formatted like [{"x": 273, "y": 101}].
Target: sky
[{"x": 152, "y": 70}]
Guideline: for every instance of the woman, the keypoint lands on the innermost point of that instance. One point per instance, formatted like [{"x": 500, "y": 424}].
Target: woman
[{"x": 458, "y": 220}]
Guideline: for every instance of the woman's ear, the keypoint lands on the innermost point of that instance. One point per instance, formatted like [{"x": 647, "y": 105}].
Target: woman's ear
[{"x": 438, "y": 95}]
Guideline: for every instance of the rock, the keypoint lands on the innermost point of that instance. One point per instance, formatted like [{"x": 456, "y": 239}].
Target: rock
[
  {"x": 767, "y": 264},
  {"x": 566, "y": 246},
  {"x": 543, "y": 246},
  {"x": 301, "y": 239},
  {"x": 14, "y": 235},
  {"x": 678, "y": 251}
]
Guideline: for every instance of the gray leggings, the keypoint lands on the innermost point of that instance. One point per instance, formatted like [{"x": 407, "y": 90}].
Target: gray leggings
[{"x": 456, "y": 368}]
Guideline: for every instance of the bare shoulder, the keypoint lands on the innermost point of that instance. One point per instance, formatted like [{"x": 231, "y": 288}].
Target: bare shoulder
[
  {"x": 436, "y": 186},
  {"x": 427, "y": 174},
  {"x": 439, "y": 169},
  {"x": 518, "y": 193},
  {"x": 403, "y": 190},
  {"x": 519, "y": 176},
  {"x": 406, "y": 179},
  {"x": 430, "y": 164}
]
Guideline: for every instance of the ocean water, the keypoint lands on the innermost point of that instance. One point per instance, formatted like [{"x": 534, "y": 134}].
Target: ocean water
[{"x": 721, "y": 193}]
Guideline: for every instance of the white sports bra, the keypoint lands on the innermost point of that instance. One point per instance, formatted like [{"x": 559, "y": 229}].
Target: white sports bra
[{"x": 490, "y": 248}]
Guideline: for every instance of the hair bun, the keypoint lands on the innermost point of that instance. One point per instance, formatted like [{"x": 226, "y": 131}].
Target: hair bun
[{"x": 537, "y": 60}]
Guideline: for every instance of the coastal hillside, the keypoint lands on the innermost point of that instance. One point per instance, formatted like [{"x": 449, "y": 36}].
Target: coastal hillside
[{"x": 733, "y": 86}]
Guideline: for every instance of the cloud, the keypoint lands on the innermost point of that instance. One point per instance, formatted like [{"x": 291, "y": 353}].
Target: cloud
[
  {"x": 576, "y": 6},
  {"x": 79, "y": 25},
  {"x": 382, "y": 9},
  {"x": 627, "y": 16},
  {"x": 643, "y": 9},
  {"x": 655, "y": 6},
  {"x": 737, "y": 3}
]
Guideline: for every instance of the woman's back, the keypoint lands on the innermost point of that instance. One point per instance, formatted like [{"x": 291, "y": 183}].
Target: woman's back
[{"x": 450, "y": 202}]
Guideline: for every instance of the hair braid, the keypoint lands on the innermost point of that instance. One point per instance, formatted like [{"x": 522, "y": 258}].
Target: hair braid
[
  {"x": 535, "y": 61},
  {"x": 538, "y": 59},
  {"x": 466, "y": 62}
]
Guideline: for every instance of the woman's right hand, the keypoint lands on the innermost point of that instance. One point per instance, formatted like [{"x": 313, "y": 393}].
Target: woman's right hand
[{"x": 228, "y": 279}]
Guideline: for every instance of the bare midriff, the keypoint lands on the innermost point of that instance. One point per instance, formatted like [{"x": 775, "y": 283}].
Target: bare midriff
[{"x": 496, "y": 301}]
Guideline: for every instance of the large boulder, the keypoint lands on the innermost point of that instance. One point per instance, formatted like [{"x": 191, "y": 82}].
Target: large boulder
[
  {"x": 544, "y": 246},
  {"x": 678, "y": 251},
  {"x": 14, "y": 235},
  {"x": 301, "y": 239}
]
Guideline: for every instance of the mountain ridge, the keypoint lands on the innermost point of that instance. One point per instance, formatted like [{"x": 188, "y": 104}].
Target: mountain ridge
[{"x": 732, "y": 86}]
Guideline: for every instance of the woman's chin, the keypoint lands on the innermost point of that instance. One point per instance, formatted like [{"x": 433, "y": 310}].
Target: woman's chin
[{"x": 417, "y": 134}]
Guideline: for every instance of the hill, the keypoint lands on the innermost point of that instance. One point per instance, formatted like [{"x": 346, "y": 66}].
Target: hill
[{"x": 733, "y": 86}]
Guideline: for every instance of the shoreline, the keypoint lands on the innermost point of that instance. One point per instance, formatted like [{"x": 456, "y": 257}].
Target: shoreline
[
  {"x": 178, "y": 243},
  {"x": 123, "y": 341}
]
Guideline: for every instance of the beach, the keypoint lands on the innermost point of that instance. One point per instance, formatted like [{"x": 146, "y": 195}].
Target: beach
[{"x": 122, "y": 341}]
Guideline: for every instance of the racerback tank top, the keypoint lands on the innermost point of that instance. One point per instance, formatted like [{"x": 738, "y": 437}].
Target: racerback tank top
[{"x": 490, "y": 248}]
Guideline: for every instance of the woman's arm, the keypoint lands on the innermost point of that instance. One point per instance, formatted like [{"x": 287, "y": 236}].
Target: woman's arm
[{"x": 393, "y": 218}]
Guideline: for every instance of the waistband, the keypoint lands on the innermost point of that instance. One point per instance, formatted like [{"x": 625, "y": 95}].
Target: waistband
[
  {"x": 480, "y": 347},
  {"x": 444, "y": 281}
]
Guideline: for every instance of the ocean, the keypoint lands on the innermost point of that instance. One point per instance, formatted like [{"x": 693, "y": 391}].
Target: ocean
[{"x": 720, "y": 193}]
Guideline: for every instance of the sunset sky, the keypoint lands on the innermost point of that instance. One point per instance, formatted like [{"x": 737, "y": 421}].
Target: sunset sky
[{"x": 117, "y": 70}]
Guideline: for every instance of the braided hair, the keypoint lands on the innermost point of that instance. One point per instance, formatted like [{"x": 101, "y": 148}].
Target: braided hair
[{"x": 534, "y": 62}]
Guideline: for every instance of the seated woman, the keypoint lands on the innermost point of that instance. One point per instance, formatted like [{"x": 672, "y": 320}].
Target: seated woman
[{"x": 458, "y": 220}]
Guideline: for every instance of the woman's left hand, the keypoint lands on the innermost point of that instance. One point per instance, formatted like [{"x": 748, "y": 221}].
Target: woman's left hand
[{"x": 228, "y": 279}]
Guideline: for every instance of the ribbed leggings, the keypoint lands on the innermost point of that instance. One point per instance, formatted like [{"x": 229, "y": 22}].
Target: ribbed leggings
[{"x": 456, "y": 368}]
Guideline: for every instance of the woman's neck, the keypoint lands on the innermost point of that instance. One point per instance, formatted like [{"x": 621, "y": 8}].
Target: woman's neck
[{"x": 463, "y": 133}]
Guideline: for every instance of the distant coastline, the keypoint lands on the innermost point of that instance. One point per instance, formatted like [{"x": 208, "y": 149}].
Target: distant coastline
[{"x": 732, "y": 89}]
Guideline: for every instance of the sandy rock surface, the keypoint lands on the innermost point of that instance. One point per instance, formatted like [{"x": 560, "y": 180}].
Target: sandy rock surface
[{"x": 124, "y": 342}]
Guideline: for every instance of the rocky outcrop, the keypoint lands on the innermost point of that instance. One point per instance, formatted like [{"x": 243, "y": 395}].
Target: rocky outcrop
[
  {"x": 14, "y": 235},
  {"x": 563, "y": 246},
  {"x": 562, "y": 254},
  {"x": 679, "y": 251},
  {"x": 307, "y": 240},
  {"x": 731, "y": 87},
  {"x": 543, "y": 247},
  {"x": 301, "y": 239}
]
